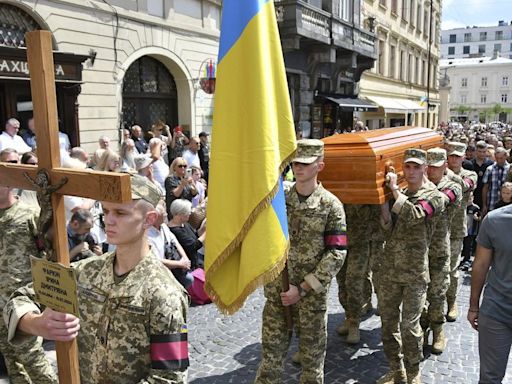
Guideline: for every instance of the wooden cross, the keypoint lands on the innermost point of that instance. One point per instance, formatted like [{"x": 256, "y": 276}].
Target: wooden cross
[{"x": 103, "y": 186}]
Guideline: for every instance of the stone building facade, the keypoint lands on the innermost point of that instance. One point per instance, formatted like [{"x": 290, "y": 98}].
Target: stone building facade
[{"x": 125, "y": 61}]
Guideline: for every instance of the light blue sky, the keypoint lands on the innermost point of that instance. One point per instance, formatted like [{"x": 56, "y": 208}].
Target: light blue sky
[{"x": 461, "y": 13}]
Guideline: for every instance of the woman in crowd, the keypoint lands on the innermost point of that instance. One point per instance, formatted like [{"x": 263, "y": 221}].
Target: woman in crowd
[
  {"x": 179, "y": 184},
  {"x": 190, "y": 240},
  {"x": 109, "y": 161}
]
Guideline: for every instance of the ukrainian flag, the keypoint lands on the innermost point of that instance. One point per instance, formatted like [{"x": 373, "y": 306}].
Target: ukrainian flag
[{"x": 253, "y": 138}]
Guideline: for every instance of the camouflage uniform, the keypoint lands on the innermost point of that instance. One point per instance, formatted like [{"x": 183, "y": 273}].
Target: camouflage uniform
[
  {"x": 26, "y": 363},
  {"x": 439, "y": 248},
  {"x": 317, "y": 252},
  {"x": 133, "y": 331},
  {"x": 468, "y": 181},
  {"x": 365, "y": 245},
  {"x": 406, "y": 278}
]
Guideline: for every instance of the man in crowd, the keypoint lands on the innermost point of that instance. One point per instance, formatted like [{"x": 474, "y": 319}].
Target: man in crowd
[
  {"x": 25, "y": 363},
  {"x": 494, "y": 177},
  {"x": 404, "y": 285},
  {"x": 204, "y": 153},
  {"x": 191, "y": 155},
  {"x": 80, "y": 243},
  {"x": 104, "y": 143},
  {"x": 10, "y": 139},
  {"x": 439, "y": 248},
  {"x": 317, "y": 250},
  {"x": 493, "y": 317},
  {"x": 138, "y": 138},
  {"x": 478, "y": 165},
  {"x": 467, "y": 180},
  {"x": 29, "y": 135},
  {"x": 132, "y": 325}
]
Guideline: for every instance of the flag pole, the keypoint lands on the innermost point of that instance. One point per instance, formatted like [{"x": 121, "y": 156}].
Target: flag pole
[{"x": 287, "y": 310}]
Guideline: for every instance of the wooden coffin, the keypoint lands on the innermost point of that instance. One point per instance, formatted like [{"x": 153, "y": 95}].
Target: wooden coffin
[{"x": 356, "y": 163}]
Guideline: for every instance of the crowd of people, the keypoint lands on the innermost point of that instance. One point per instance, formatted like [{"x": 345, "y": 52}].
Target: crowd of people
[{"x": 453, "y": 196}]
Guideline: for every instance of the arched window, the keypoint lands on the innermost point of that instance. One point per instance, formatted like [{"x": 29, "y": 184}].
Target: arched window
[
  {"x": 14, "y": 23},
  {"x": 149, "y": 94}
]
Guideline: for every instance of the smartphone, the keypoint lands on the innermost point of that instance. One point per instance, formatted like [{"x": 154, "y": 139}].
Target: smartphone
[{"x": 188, "y": 173}]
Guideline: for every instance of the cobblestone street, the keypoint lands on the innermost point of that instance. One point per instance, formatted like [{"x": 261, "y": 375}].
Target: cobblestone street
[{"x": 226, "y": 349}]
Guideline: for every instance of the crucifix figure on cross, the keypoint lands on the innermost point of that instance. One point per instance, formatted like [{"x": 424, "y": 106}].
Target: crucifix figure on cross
[{"x": 130, "y": 323}]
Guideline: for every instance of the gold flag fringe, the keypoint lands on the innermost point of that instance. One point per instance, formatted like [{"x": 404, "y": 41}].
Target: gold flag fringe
[{"x": 264, "y": 277}]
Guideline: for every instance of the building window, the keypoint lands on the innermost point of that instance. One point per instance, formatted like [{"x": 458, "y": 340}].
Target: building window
[
  {"x": 344, "y": 10},
  {"x": 483, "y": 99},
  {"x": 464, "y": 82},
  {"x": 411, "y": 12},
  {"x": 467, "y": 37},
  {"x": 504, "y": 81},
  {"x": 404, "y": 10},
  {"x": 504, "y": 98},
  {"x": 402, "y": 66},
  {"x": 382, "y": 52},
  {"x": 484, "y": 81},
  {"x": 481, "y": 48},
  {"x": 394, "y": 6},
  {"x": 463, "y": 99},
  {"x": 453, "y": 38},
  {"x": 483, "y": 36},
  {"x": 392, "y": 62},
  {"x": 498, "y": 35},
  {"x": 410, "y": 68},
  {"x": 417, "y": 71},
  {"x": 465, "y": 49},
  {"x": 451, "y": 50},
  {"x": 156, "y": 8},
  {"x": 418, "y": 17},
  {"x": 425, "y": 69},
  {"x": 497, "y": 47}
]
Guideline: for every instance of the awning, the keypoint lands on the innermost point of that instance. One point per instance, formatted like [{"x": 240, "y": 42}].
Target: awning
[
  {"x": 397, "y": 105},
  {"x": 348, "y": 104}
]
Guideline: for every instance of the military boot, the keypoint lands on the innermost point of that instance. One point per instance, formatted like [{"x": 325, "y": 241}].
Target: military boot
[
  {"x": 353, "y": 336},
  {"x": 296, "y": 358},
  {"x": 394, "y": 376},
  {"x": 439, "y": 340},
  {"x": 343, "y": 328},
  {"x": 453, "y": 311},
  {"x": 413, "y": 374}
]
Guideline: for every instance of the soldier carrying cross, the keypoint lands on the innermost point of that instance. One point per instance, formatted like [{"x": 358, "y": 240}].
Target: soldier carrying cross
[{"x": 131, "y": 326}]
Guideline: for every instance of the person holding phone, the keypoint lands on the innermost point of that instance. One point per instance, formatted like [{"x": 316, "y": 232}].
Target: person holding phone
[{"x": 179, "y": 184}]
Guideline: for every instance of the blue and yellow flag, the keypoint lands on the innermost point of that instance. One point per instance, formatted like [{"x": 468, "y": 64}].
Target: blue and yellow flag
[{"x": 253, "y": 138}]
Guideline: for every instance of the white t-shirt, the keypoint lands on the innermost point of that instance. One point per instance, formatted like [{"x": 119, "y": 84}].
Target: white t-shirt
[
  {"x": 158, "y": 238},
  {"x": 160, "y": 172},
  {"x": 192, "y": 159},
  {"x": 15, "y": 142}
]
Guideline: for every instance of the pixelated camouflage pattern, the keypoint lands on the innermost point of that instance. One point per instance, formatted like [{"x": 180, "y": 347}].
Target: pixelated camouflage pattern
[
  {"x": 406, "y": 250},
  {"x": 402, "y": 337},
  {"x": 365, "y": 246},
  {"x": 117, "y": 320},
  {"x": 307, "y": 222},
  {"x": 308, "y": 150},
  {"x": 406, "y": 278},
  {"x": 468, "y": 181},
  {"x": 26, "y": 363},
  {"x": 439, "y": 252}
]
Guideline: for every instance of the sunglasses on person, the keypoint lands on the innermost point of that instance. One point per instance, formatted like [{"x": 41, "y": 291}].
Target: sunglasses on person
[{"x": 182, "y": 166}]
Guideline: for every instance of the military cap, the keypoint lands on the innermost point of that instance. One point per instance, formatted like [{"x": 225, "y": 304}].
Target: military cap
[
  {"x": 457, "y": 149},
  {"x": 144, "y": 189},
  {"x": 308, "y": 150},
  {"x": 142, "y": 161},
  {"x": 436, "y": 157},
  {"x": 417, "y": 156}
]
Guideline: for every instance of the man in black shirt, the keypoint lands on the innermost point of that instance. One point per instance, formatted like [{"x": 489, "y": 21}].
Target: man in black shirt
[{"x": 479, "y": 164}]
